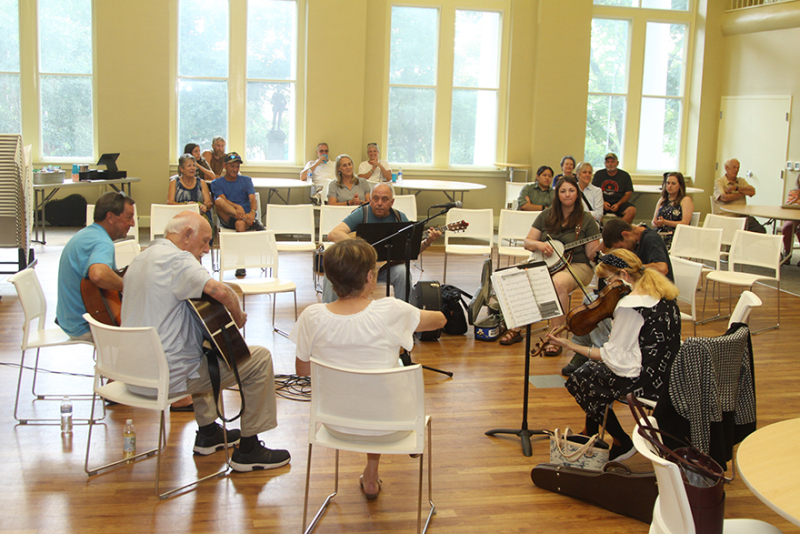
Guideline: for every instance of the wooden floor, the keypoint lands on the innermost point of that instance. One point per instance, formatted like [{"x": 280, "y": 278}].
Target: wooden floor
[{"x": 480, "y": 483}]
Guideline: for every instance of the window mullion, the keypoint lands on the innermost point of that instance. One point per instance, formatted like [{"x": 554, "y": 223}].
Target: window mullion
[
  {"x": 237, "y": 76},
  {"x": 28, "y": 78},
  {"x": 444, "y": 88},
  {"x": 634, "y": 105}
]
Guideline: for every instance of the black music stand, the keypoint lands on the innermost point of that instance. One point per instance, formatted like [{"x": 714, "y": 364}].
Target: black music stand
[
  {"x": 395, "y": 241},
  {"x": 523, "y": 432}
]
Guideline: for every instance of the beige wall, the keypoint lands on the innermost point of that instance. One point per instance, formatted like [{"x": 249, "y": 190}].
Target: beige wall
[{"x": 345, "y": 105}]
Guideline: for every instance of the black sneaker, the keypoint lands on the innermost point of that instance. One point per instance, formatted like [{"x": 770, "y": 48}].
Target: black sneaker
[
  {"x": 205, "y": 445},
  {"x": 241, "y": 273},
  {"x": 574, "y": 364},
  {"x": 259, "y": 458},
  {"x": 257, "y": 226}
]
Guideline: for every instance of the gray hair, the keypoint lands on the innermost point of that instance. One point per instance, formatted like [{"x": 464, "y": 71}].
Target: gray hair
[
  {"x": 184, "y": 158},
  {"x": 580, "y": 166},
  {"x": 218, "y": 138}
]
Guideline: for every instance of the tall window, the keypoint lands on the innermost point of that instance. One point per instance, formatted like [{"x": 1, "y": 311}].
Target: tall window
[
  {"x": 202, "y": 71},
  {"x": 10, "y": 104},
  {"x": 210, "y": 67},
  {"x": 65, "y": 78},
  {"x": 445, "y": 64},
  {"x": 662, "y": 92},
  {"x": 637, "y": 83},
  {"x": 476, "y": 69},
  {"x": 608, "y": 89}
]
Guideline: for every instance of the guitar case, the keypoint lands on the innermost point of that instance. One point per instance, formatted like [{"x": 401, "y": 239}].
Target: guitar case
[
  {"x": 427, "y": 296},
  {"x": 615, "y": 488}
]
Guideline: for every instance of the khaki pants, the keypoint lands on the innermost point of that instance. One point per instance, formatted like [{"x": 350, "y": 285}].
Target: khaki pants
[{"x": 258, "y": 386}]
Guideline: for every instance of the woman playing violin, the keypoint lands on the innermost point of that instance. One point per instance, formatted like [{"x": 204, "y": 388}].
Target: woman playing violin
[
  {"x": 645, "y": 337},
  {"x": 565, "y": 221}
]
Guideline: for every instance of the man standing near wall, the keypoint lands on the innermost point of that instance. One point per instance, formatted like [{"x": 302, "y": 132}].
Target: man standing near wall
[
  {"x": 216, "y": 156},
  {"x": 731, "y": 190},
  {"x": 617, "y": 188}
]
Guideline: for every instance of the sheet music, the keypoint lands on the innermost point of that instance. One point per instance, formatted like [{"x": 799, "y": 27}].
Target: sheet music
[{"x": 526, "y": 295}]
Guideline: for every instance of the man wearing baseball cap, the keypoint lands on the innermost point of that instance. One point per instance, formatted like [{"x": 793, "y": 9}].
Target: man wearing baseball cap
[
  {"x": 617, "y": 188},
  {"x": 235, "y": 199}
]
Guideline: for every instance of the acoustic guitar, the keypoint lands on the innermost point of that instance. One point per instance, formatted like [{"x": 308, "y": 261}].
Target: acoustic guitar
[
  {"x": 104, "y": 305},
  {"x": 221, "y": 328}
]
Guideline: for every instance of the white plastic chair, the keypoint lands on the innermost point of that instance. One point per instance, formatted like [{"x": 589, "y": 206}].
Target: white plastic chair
[
  {"x": 481, "y": 228},
  {"x": 292, "y": 220},
  {"x": 406, "y": 204},
  {"x": 161, "y": 214},
  {"x": 672, "y": 513},
  {"x": 133, "y": 231},
  {"x": 753, "y": 250},
  {"x": 741, "y": 313},
  {"x": 34, "y": 307},
  {"x": 695, "y": 219},
  {"x": 134, "y": 356},
  {"x": 513, "y": 189},
  {"x": 329, "y": 218},
  {"x": 350, "y": 401},
  {"x": 687, "y": 276},
  {"x": 125, "y": 251},
  {"x": 729, "y": 226},
  {"x": 247, "y": 250},
  {"x": 696, "y": 243},
  {"x": 326, "y": 191},
  {"x": 514, "y": 226}
]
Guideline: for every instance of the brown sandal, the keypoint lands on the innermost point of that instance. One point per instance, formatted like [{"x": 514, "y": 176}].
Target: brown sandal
[
  {"x": 550, "y": 352},
  {"x": 513, "y": 335}
]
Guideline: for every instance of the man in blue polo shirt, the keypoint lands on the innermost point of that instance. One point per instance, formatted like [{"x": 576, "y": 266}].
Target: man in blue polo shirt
[
  {"x": 90, "y": 254},
  {"x": 379, "y": 211}
]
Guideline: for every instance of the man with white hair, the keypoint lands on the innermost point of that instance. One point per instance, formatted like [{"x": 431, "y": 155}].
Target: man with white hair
[
  {"x": 733, "y": 190},
  {"x": 157, "y": 286}
]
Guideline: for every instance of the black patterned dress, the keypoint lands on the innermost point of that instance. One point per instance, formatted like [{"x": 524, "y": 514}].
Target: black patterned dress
[
  {"x": 669, "y": 213},
  {"x": 594, "y": 385}
]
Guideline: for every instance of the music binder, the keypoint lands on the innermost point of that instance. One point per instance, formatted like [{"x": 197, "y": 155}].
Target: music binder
[{"x": 526, "y": 294}]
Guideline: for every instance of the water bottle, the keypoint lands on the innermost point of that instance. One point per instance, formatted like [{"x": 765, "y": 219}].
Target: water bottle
[
  {"x": 129, "y": 440},
  {"x": 400, "y": 175},
  {"x": 66, "y": 416},
  {"x": 75, "y": 171}
]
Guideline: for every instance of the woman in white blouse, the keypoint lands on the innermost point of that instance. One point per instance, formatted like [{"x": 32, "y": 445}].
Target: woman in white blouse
[
  {"x": 355, "y": 331},
  {"x": 592, "y": 193}
]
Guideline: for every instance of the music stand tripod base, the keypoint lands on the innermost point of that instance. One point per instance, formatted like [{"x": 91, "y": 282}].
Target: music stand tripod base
[{"x": 523, "y": 432}]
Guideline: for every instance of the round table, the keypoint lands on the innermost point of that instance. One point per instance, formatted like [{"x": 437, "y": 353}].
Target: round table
[
  {"x": 274, "y": 184},
  {"x": 767, "y": 212},
  {"x": 448, "y": 188},
  {"x": 768, "y": 467},
  {"x": 511, "y": 167}
]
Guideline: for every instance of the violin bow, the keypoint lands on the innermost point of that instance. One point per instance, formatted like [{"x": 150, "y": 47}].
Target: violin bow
[{"x": 569, "y": 268}]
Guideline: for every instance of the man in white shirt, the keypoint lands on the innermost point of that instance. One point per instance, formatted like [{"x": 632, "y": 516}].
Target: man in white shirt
[
  {"x": 319, "y": 171},
  {"x": 731, "y": 190}
]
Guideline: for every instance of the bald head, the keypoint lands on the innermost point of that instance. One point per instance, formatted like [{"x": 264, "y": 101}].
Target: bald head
[
  {"x": 190, "y": 232},
  {"x": 381, "y": 200}
]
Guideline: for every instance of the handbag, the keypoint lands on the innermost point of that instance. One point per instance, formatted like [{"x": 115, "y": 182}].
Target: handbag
[
  {"x": 577, "y": 450},
  {"x": 615, "y": 487},
  {"x": 703, "y": 478}
]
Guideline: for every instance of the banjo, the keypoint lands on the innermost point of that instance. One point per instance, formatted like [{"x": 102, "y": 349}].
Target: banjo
[{"x": 553, "y": 261}]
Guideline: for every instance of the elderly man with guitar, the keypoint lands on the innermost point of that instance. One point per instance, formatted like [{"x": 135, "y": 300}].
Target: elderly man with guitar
[{"x": 158, "y": 287}]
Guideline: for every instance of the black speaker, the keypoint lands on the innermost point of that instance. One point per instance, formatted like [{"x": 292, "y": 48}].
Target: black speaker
[{"x": 427, "y": 296}]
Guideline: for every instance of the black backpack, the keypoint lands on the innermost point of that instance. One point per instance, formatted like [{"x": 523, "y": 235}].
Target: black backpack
[
  {"x": 69, "y": 211},
  {"x": 454, "y": 309}
]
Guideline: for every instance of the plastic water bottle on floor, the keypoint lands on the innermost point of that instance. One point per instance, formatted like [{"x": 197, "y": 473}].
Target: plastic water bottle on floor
[
  {"x": 129, "y": 440},
  {"x": 399, "y": 176},
  {"x": 66, "y": 416}
]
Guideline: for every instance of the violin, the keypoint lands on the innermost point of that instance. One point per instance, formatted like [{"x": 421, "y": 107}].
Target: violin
[{"x": 584, "y": 318}]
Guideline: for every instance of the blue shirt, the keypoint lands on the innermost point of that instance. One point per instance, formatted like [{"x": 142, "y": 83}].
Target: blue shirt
[
  {"x": 237, "y": 191},
  {"x": 357, "y": 217},
  {"x": 89, "y": 246}
]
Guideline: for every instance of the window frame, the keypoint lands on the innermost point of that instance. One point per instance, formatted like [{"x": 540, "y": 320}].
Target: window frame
[
  {"x": 30, "y": 86},
  {"x": 639, "y": 17},
  {"x": 444, "y": 85},
  {"x": 237, "y": 87}
]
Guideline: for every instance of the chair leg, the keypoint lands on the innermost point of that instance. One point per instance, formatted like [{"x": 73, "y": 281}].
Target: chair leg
[
  {"x": 444, "y": 276},
  {"x": 327, "y": 501},
  {"x": 430, "y": 486}
]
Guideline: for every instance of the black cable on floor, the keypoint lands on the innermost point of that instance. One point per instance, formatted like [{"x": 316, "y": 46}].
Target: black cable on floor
[
  {"x": 43, "y": 370},
  {"x": 293, "y": 387}
]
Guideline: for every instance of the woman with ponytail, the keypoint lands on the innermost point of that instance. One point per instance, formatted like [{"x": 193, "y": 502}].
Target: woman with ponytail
[{"x": 645, "y": 337}]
